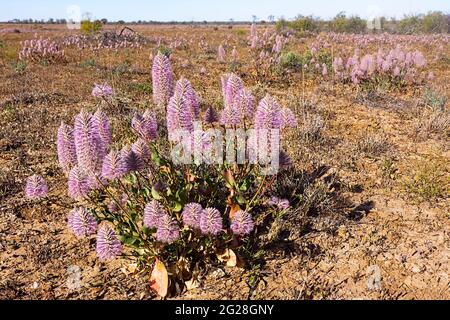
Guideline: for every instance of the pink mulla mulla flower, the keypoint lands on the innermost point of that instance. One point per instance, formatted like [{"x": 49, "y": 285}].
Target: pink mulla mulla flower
[
  {"x": 179, "y": 115},
  {"x": 88, "y": 149},
  {"x": 268, "y": 114},
  {"x": 153, "y": 213},
  {"x": 146, "y": 125},
  {"x": 324, "y": 70},
  {"x": 113, "y": 166},
  {"x": 132, "y": 161},
  {"x": 168, "y": 230},
  {"x": 211, "y": 115},
  {"x": 79, "y": 183},
  {"x": 211, "y": 221},
  {"x": 232, "y": 86},
  {"x": 184, "y": 88},
  {"x": 81, "y": 222},
  {"x": 191, "y": 215},
  {"x": 281, "y": 204},
  {"x": 36, "y": 187},
  {"x": 140, "y": 147},
  {"x": 234, "y": 55},
  {"x": 221, "y": 55},
  {"x": 242, "y": 223},
  {"x": 102, "y": 90},
  {"x": 430, "y": 76},
  {"x": 162, "y": 79},
  {"x": 101, "y": 130},
  {"x": 419, "y": 59},
  {"x": 231, "y": 116},
  {"x": 396, "y": 71},
  {"x": 67, "y": 156},
  {"x": 288, "y": 118},
  {"x": 108, "y": 244},
  {"x": 253, "y": 32},
  {"x": 246, "y": 103}
]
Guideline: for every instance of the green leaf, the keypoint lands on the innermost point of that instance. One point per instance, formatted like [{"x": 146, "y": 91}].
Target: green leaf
[
  {"x": 178, "y": 207},
  {"x": 155, "y": 194},
  {"x": 241, "y": 200}
]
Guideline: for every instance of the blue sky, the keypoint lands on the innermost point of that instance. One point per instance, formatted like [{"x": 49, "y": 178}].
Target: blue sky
[{"x": 199, "y": 10}]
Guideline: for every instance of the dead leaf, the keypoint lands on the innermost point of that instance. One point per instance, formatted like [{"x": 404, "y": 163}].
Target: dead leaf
[
  {"x": 229, "y": 257},
  {"x": 159, "y": 279},
  {"x": 192, "y": 284},
  {"x": 129, "y": 269}
]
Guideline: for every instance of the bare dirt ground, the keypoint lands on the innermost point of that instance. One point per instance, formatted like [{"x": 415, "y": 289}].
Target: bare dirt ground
[{"x": 386, "y": 237}]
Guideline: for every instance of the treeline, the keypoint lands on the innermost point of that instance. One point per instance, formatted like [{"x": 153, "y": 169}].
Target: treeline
[{"x": 432, "y": 22}]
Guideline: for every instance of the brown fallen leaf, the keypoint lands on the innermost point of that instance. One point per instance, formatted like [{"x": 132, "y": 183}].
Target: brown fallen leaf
[
  {"x": 159, "y": 279},
  {"x": 229, "y": 257}
]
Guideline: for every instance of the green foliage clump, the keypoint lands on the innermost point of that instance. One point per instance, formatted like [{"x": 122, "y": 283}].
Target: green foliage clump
[
  {"x": 304, "y": 24},
  {"x": 291, "y": 60},
  {"x": 90, "y": 27},
  {"x": 343, "y": 24}
]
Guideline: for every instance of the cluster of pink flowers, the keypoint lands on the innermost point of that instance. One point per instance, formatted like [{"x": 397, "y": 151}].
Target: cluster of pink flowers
[
  {"x": 40, "y": 49},
  {"x": 395, "y": 64},
  {"x": 267, "y": 47}
]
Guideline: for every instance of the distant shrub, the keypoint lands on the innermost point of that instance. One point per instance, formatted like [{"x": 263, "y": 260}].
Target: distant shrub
[
  {"x": 342, "y": 23},
  {"x": 435, "y": 22},
  {"x": 90, "y": 27},
  {"x": 409, "y": 24},
  {"x": 281, "y": 25},
  {"x": 304, "y": 24}
]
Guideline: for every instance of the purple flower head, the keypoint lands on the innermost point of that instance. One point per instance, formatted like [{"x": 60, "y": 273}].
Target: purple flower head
[
  {"x": 162, "y": 79},
  {"x": 232, "y": 86},
  {"x": 81, "y": 222},
  {"x": 246, "y": 102},
  {"x": 108, "y": 245},
  {"x": 168, "y": 230},
  {"x": 191, "y": 215},
  {"x": 268, "y": 114},
  {"x": 153, "y": 213},
  {"x": 101, "y": 130},
  {"x": 146, "y": 125},
  {"x": 102, "y": 91},
  {"x": 211, "y": 221},
  {"x": 66, "y": 147},
  {"x": 242, "y": 223},
  {"x": 184, "y": 88},
  {"x": 221, "y": 54},
  {"x": 288, "y": 118},
  {"x": 80, "y": 183},
  {"x": 231, "y": 115},
  {"x": 90, "y": 151},
  {"x": 281, "y": 204},
  {"x": 36, "y": 187},
  {"x": 179, "y": 115},
  {"x": 132, "y": 161},
  {"x": 234, "y": 55},
  {"x": 211, "y": 115},
  {"x": 324, "y": 70},
  {"x": 113, "y": 166},
  {"x": 141, "y": 148}
]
